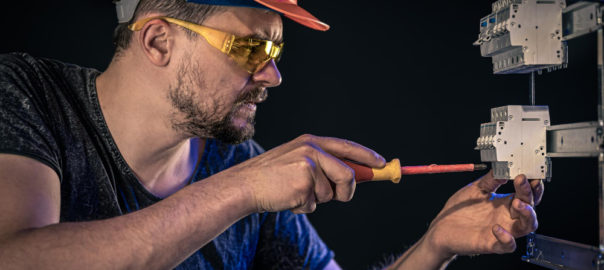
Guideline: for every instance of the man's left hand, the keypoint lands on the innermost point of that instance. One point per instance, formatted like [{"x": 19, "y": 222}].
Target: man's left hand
[{"x": 476, "y": 220}]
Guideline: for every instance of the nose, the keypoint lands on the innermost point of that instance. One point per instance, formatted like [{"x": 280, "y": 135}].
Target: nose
[{"x": 269, "y": 75}]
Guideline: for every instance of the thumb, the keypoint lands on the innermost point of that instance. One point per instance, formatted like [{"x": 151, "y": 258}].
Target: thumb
[{"x": 488, "y": 183}]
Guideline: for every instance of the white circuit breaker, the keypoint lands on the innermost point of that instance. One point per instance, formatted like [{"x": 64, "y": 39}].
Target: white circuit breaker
[
  {"x": 523, "y": 36},
  {"x": 515, "y": 142}
]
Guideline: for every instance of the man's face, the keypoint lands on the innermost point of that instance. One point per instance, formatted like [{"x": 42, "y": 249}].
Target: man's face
[{"x": 213, "y": 97}]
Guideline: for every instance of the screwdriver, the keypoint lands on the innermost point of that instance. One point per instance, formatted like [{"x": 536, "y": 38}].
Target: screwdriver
[{"x": 393, "y": 170}]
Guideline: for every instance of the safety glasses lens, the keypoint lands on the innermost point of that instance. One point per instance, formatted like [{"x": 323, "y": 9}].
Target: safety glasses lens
[{"x": 253, "y": 55}]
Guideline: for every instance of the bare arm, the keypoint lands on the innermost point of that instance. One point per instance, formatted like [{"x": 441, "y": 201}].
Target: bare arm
[
  {"x": 158, "y": 237},
  {"x": 296, "y": 176}
]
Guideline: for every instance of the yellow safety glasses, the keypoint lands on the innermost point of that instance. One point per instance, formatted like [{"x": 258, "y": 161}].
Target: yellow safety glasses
[{"x": 249, "y": 53}]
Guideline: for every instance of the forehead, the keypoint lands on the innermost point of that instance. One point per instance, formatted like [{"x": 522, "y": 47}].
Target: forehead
[{"x": 244, "y": 21}]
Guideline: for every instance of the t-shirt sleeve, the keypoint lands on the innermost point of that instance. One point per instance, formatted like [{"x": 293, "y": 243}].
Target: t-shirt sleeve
[
  {"x": 23, "y": 117},
  {"x": 289, "y": 241}
]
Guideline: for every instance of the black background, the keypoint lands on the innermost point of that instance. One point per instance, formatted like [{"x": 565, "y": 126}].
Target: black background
[{"x": 400, "y": 77}]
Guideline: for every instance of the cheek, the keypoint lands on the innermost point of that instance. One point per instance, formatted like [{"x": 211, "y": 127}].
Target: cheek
[
  {"x": 221, "y": 91},
  {"x": 231, "y": 88},
  {"x": 223, "y": 81},
  {"x": 227, "y": 85}
]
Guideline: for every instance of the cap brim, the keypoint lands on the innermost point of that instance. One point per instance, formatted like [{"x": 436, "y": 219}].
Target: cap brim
[{"x": 295, "y": 13}]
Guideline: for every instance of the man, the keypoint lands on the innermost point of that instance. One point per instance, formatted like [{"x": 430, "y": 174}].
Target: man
[{"x": 105, "y": 170}]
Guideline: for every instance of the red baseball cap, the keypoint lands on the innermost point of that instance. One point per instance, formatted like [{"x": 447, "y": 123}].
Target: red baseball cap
[{"x": 290, "y": 9}]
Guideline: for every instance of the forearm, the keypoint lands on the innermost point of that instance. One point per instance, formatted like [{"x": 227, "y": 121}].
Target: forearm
[
  {"x": 157, "y": 237},
  {"x": 421, "y": 257}
]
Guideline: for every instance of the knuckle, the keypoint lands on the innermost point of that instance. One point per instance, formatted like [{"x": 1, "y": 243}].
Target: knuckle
[
  {"x": 308, "y": 149},
  {"x": 311, "y": 207},
  {"x": 344, "y": 176},
  {"x": 349, "y": 143},
  {"x": 348, "y": 174},
  {"x": 325, "y": 195},
  {"x": 306, "y": 137},
  {"x": 306, "y": 164}
]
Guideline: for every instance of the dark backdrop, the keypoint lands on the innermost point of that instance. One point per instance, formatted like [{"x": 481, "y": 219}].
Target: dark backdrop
[{"x": 401, "y": 77}]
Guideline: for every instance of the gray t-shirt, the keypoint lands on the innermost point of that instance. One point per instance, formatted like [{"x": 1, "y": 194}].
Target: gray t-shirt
[{"x": 49, "y": 111}]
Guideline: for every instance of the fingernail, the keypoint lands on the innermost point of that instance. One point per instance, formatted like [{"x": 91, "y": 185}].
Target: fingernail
[{"x": 498, "y": 229}]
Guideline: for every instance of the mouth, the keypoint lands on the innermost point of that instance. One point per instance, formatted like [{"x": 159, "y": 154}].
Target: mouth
[{"x": 247, "y": 103}]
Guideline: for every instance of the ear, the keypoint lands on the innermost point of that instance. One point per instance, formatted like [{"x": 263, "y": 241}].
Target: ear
[{"x": 156, "y": 40}]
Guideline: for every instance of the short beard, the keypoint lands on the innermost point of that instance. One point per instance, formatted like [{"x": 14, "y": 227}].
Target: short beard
[{"x": 196, "y": 116}]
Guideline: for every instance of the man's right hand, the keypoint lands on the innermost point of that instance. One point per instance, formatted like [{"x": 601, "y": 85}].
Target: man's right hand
[
  {"x": 294, "y": 176},
  {"x": 302, "y": 173}
]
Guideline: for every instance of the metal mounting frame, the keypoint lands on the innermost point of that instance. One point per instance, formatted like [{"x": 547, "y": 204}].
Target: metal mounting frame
[
  {"x": 561, "y": 254},
  {"x": 575, "y": 140},
  {"x": 584, "y": 139}
]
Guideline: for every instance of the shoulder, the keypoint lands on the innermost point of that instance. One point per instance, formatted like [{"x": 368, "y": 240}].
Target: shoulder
[
  {"x": 16, "y": 66},
  {"x": 21, "y": 85},
  {"x": 43, "y": 82},
  {"x": 26, "y": 66},
  {"x": 9, "y": 60},
  {"x": 23, "y": 64}
]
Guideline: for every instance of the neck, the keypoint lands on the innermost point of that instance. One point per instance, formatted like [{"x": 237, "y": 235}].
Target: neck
[{"x": 137, "y": 115}]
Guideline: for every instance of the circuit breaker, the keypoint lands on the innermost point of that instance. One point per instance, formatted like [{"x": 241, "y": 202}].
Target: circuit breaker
[
  {"x": 515, "y": 142},
  {"x": 522, "y": 36}
]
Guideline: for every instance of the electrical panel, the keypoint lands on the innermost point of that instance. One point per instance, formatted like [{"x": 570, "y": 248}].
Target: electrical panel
[{"x": 522, "y": 36}]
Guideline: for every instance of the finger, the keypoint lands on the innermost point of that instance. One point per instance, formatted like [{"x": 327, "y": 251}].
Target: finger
[
  {"x": 488, "y": 183},
  {"x": 339, "y": 174},
  {"x": 526, "y": 218},
  {"x": 347, "y": 150},
  {"x": 523, "y": 189},
  {"x": 307, "y": 206},
  {"x": 538, "y": 187},
  {"x": 323, "y": 189},
  {"x": 505, "y": 241}
]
